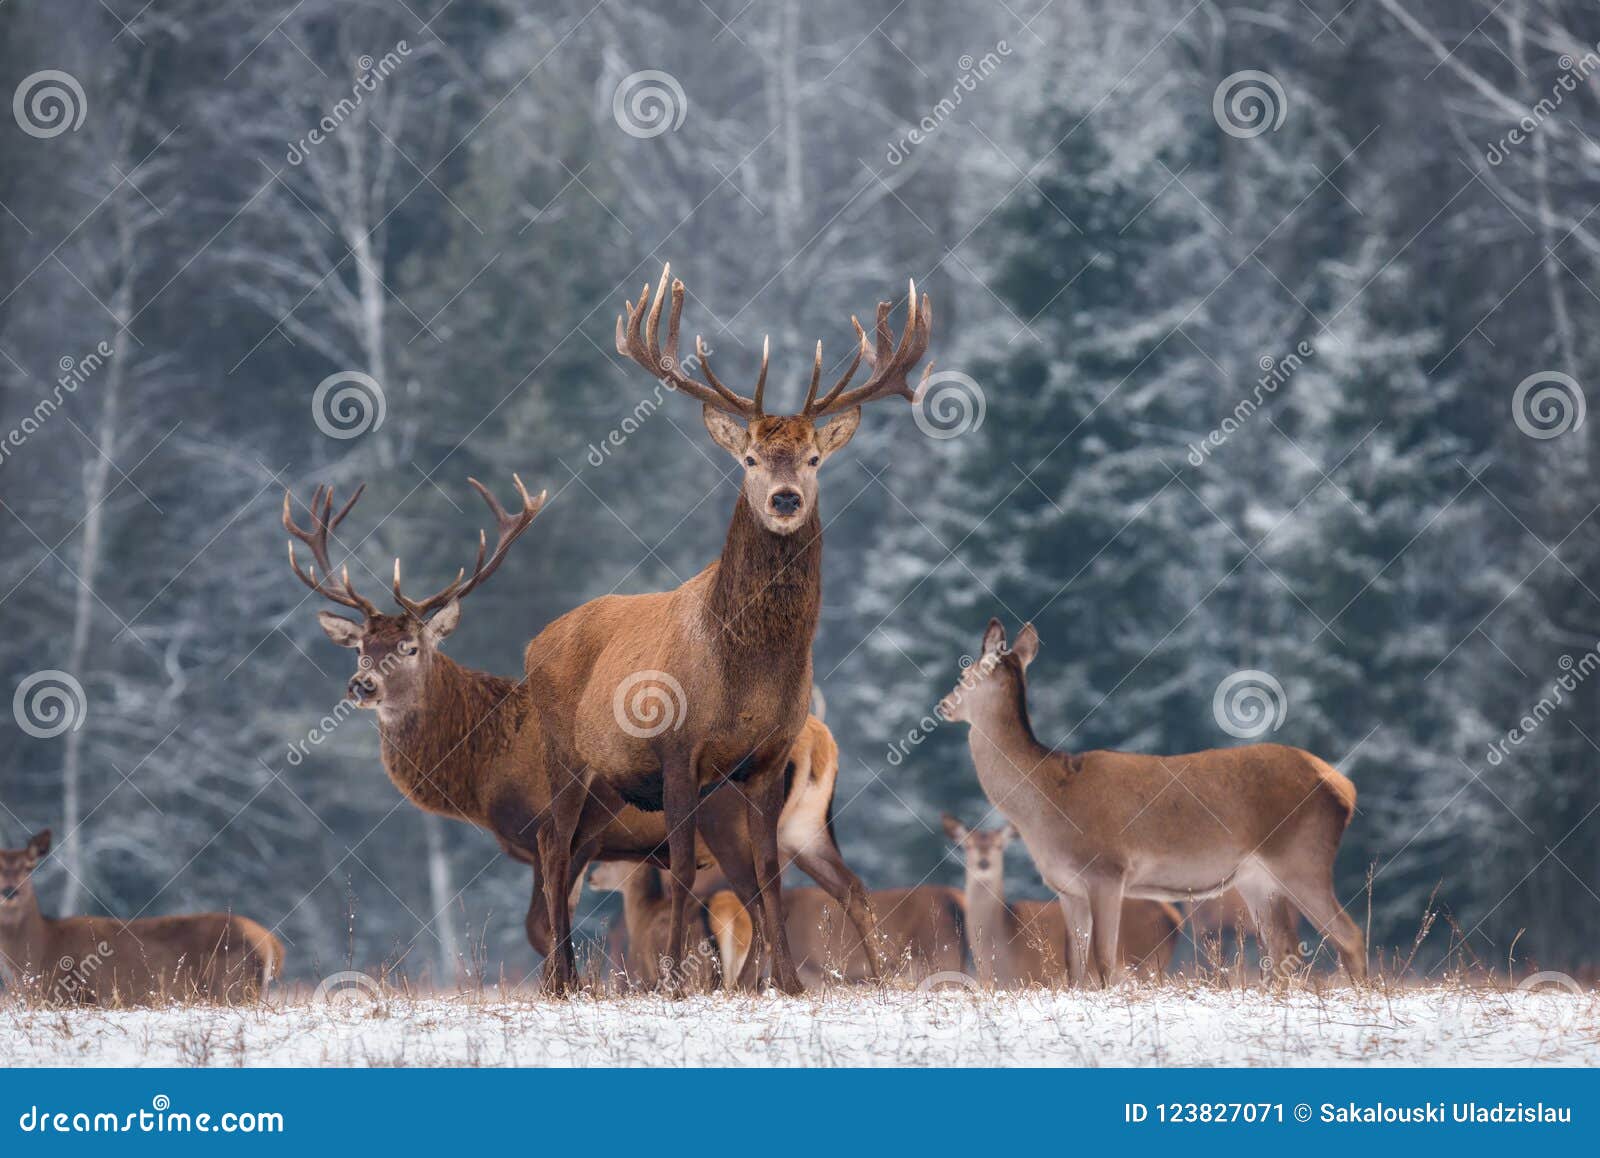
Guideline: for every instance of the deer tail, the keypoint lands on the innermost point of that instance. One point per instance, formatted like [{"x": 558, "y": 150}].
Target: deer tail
[{"x": 1339, "y": 786}]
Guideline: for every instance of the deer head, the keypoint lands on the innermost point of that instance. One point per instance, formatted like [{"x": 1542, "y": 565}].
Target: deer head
[
  {"x": 780, "y": 455},
  {"x": 984, "y": 849},
  {"x": 396, "y": 652},
  {"x": 613, "y": 876},
  {"x": 16, "y": 877},
  {"x": 996, "y": 678}
]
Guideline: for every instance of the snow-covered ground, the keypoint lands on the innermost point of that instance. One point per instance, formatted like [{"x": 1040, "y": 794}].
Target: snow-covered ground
[{"x": 1168, "y": 1025}]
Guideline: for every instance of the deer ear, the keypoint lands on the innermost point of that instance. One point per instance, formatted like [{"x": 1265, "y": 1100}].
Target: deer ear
[
  {"x": 994, "y": 638},
  {"x": 39, "y": 846},
  {"x": 444, "y": 621},
  {"x": 344, "y": 632},
  {"x": 835, "y": 434},
  {"x": 954, "y": 829},
  {"x": 1027, "y": 644},
  {"x": 730, "y": 434}
]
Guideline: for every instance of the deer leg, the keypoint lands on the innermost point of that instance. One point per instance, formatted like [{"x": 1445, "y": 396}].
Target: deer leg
[
  {"x": 555, "y": 862},
  {"x": 537, "y": 922},
  {"x": 723, "y": 824},
  {"x": 1075, "y": 908},
  {"x": 1316, "y": 899},
  {"x": 1264, "y": 897},
  {"x": 680, "y": 799},
  {"x": 515, "y": 825},
  {"x": 820, "y": 860},
  {"x": 1105, "y": 920},
  {"x": 560, "y": 964},
  {"x": 763, "y": 804},
  {"x": 1283, "y": 943}
]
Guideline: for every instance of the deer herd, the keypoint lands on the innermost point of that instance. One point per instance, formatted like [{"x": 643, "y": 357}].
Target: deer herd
[{"x": 674, "y": 742}]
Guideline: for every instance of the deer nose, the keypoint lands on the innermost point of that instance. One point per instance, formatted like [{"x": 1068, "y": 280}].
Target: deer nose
[
  {"x": 362, "y": 687},
  {"x": 786, "y": 502}
]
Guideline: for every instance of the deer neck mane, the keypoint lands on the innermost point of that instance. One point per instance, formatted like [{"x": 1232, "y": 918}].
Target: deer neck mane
[
  {"x": 438, "y": 751},
  {"x": 768, "y": 588},
  {"x": 24, "y": 940}
]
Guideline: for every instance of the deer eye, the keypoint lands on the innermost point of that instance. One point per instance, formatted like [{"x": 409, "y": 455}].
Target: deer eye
[
  {"x": 749, "y": 460},
  {"x": 814, "y": 460},
  {"x": 406, "y": 647}
]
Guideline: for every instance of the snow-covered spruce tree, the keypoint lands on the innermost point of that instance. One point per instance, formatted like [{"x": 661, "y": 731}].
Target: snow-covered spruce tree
[{"x": 1062, "y": 507}]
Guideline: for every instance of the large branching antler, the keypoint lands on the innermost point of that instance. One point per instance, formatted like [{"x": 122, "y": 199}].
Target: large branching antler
[
  {"x": 889, "y": 363},
  {"x": 508, "y": 525},
  {"x": 638, "y": 337},
  {"x": 316, "y": 538}
]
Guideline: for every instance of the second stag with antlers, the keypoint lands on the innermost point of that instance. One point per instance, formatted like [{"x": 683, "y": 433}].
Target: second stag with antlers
[
  {"x": 455, "y": 739},
  {"x": 725, "y": 659}
]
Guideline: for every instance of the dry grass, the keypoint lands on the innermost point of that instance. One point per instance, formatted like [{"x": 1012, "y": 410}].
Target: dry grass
[
  {"x": 1216, "y": 1011},
  {"x": 1183, "y": 1021}
]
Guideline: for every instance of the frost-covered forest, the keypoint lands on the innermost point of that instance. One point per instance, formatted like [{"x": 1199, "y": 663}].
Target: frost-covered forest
[{"x": 1270, "y": 324}]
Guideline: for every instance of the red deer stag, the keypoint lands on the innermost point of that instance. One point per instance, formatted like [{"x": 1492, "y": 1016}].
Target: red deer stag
[
  {"x": 1104, "y": 826},
  {"x": 104, "y": 961},
  {"x": 454, "y": 740},
  {"x": 661, "y": 699},
  {"x": 1025, "y": 942}
]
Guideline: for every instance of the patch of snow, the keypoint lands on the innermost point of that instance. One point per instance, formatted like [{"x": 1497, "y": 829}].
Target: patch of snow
[{"x": 1130, "y": 1026}]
